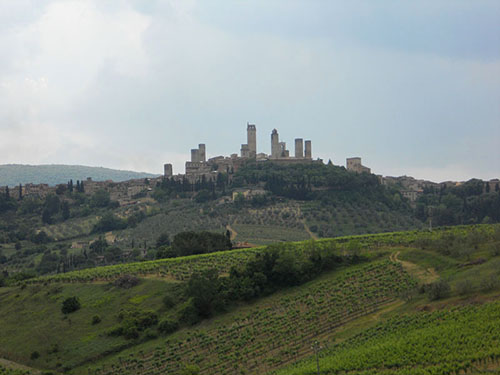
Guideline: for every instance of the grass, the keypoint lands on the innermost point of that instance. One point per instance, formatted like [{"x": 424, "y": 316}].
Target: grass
[
  {"x": 31, "y": 320},
  {"x": 429, "y": 259},
  {"x": 448, "y": 341},
  {"x": 271, "y": 331},
  {"x": 263, "y": 235},
  {"x": 71, "y": 228},
  {"x": 266, "y": 334}
]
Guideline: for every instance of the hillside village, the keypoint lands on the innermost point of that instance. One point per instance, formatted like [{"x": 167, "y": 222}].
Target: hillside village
[{"x": 200, "y": 167}]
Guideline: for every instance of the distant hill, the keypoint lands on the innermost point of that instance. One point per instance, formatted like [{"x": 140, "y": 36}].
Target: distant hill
[{"x": 53, "y": 174}]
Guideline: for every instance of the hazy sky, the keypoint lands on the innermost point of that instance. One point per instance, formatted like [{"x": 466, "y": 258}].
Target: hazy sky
[{"x": 411, "y": 87}]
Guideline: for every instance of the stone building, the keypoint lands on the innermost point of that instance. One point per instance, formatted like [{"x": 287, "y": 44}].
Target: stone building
[
  {"x": 199, "y": 167},
  {"x": 299, "y": 148},
  {"x": 275, "y": 145},
  {"x": 354, "y": 165},
  {"x": 168, "y": 170},
  {"x": 249, "y": 150},
  {"x": 308, "y": 151}
]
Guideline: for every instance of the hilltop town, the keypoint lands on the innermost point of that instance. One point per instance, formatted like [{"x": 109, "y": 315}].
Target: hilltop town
[{"x": 199, "y": 167}]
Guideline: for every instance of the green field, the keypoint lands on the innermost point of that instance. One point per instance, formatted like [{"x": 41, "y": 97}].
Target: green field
[
  {"x": 462, "y": 339},
  {"x": 374, "y": 317},
  {"x": 7, "y": 371},
  {"x": 32, "y": 321},
  {"x": 263, "y": 235},
  {"x": 273, "y": 331},
  {"x": 181, "y": 268}
]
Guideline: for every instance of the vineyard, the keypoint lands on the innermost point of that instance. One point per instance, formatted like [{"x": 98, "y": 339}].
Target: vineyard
[
  {"x": 181, "y": 268},
  {"x": 260, "y": 234},
  {"x": 70, "y": 229},
  {"x": 7, "y": 371},
  {"x": 275, "y": 332},
  {"x": 464, "y": 339}
]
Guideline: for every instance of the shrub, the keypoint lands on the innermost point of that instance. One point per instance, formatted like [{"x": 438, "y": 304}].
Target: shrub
[
  {"x": 464, "y": 287},
  {"x": 163, "y": 240},
  {"x": 109, "y": 222},
  {"x": 132, "y": 323},
  {"x": 489, "y": 283},
  {"x": 130, "y": 332},
  {"x": 167, "y": 326},
  {"x": 126, "y": 281},
  {"x": 54, "y": 348},
  {"x": 96, "y": 319},
  {"x": 169, "y": 301},
  {"x": 188, "y": 313},
  {"x": 150, "y": 334},
  {"x": 494, "y": 249},
  {"x": 70, "y": 305},
  {"x": 437, "y": 290},
  {"x": 34, "y": 355}
]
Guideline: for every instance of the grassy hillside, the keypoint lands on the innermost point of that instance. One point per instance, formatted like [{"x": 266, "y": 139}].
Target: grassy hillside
[
  {"x": 53, "y": 174},
  {"x": 452, "y": 329},
  {"x": 368, "y": 318},
  {"x": 32, "y": 321},
  {"x": 293, "y": 203},
  {"x": 273, "y": 331},
  {"x": 462, "y": 339}
]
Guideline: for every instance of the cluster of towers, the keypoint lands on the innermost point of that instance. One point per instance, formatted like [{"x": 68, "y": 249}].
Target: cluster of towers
[
  {"x": 199, "y": 165},
  {"x": 199, "y": 155},
  {"x": 279, "y": 151}
]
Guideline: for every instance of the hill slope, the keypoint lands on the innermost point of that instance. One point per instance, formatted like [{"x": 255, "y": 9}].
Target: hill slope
[
  {"x": 352, "y": 309},
  {"x": 53, "y": 174}
]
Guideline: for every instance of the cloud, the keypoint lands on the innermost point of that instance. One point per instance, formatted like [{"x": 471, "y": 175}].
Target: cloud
[
  {"x": 63, "y": 51},
  {"x": 134, "y": 84}
]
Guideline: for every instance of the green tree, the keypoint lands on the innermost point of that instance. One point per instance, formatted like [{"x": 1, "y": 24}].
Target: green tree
[
  {"x": 46, "y": 217},
  {"x": 70, "y": 305},
  {"x": 109, "y": 222},
  {"x": 101, "y": 198},
  {"x": 65, "y": 210},
  {"x": 204, "y": 289},
  {"x": 99, "y": 245},
  {"x": 163, "y": 240}
]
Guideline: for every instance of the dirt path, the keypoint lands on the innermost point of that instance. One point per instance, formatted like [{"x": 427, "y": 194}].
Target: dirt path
[
  {"x": 233, "y": 232},
  {"x": 311, "y": 234},
  {"x": 423, "y": 275}
]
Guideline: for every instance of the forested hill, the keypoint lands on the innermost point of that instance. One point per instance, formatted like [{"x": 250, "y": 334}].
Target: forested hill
[{"x": 53, "y": 174}]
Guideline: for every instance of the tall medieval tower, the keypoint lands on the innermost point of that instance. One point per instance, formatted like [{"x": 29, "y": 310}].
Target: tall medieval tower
[
  {"x": 275, "y": 146},
  {"x": 252, "y": 140}
]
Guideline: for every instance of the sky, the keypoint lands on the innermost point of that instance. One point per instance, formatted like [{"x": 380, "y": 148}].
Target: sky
[{"x": 411, "y": 87}]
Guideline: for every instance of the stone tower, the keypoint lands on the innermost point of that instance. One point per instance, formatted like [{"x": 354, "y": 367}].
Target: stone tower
[
  {"x": 202, "y": 153},
  {"x": 168, "y": 171},
  {"x": 252, "y": 140},
  {"x": 195, "y": 155},
  {"x": 308, "y": 154},
  {"x": 299, "y": 148},
  {"x": 275, "y": 144},
  {"x": 245, "y": 151}
]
